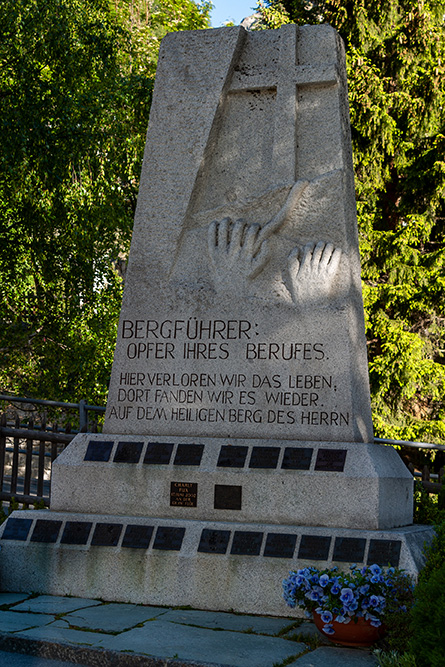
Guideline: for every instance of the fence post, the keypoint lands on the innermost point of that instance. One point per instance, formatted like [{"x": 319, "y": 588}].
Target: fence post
[{"x": 83, "y": 416}]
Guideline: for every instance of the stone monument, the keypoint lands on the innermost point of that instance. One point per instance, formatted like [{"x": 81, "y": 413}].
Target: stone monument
[{"x": 238, "y": 439}]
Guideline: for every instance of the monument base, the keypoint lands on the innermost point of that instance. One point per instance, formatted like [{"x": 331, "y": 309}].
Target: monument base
[{"x": 174, "y": 562}]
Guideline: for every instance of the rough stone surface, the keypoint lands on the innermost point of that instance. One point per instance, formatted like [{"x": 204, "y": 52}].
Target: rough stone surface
[
  {"x": 111, "y": 617},
  {"x": 225, "y": 329},
  {"x": 11, "y": 598},
  {"x": 52, "y": 604},
  {"x": 244, "y": 579},
  {"x": 373, "y": 475},
  {"x": 12, "y": 622}
]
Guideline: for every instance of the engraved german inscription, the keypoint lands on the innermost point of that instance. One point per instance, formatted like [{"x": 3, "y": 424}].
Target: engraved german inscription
[{"x": 183, "y": 494}]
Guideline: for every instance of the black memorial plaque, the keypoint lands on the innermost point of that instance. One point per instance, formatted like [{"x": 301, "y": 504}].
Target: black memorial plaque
[
  {"x": 280, "y": 545},
  {"x": 188, "y": 455},
  {"x": 137, "y": 537},
  {"x": 246, "y": 543},
  {"x": 384, "y": 552},
  {"x": 169, "y": 539},
  {"x": 46, "y": 531},
  {"x": 331, "y": 460},
  {"x": 297, "y": 458},
  {"x": 76, "y": 532},
  {"x": 17, "y": 529},
  {"x": 264, "y": 457},
  {"x": 227, "y": 497},
  {"x": 106, "y": 534},
  {"x": 158, "y": 453},
  {"x": 349, "y": 549},
  {"x": 314, "y": 547},
  {"x": 183, "y": 494},
  {"x": 232, "y": 456},
  {"x": 128, "y": 452},
  {"x": 214, "y": 541},
  {"x": 98, "y": 450}
]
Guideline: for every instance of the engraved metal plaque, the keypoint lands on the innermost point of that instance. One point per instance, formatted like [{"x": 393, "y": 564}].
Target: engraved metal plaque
[
  {"x": 264, "y": 457},
  {"x": 98, "y": 450},
  {"x": 297, "y": 458},
  {"x": 314, "y": 547},
  {"x": 214, "y": 541},
  {"x": 188, "y": 455},
  {"x": 280, "y": 545},
  {"x": 106, "y": 534},
  {"x": 128, "y": 452},
  {"x": 169, "y": 539},
  {"x": 331, "y": 460},
  {"x": 46, "y": 531},
  {"x": 349, "y": 549},
  {"x": 232, "y": 456},
  {"x": 246, "y": 543},
  {"x": 384, "y": 552},
  {"x": 227, "y": 497},
  {"x": 137, "y": 537},
  {"x": 17, "y": 529},
  {"x": 158, "y": 453},
  {"x": 76, "y": 532},
  {"x": 183, "y": 494}
]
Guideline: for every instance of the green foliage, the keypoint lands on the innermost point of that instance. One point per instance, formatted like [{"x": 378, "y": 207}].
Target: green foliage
[
  {"x": 428, "y": 619},
  {"x": 76, "y": 78},
  {"x": 395, "y": 60},
  {"x": 434, "y": 553},
  {"x": 428, "y": 508},
  {"x": 394, "y": 659}
]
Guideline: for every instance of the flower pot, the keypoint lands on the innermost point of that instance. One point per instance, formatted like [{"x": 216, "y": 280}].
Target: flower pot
[{"x": 357, "y": 632}]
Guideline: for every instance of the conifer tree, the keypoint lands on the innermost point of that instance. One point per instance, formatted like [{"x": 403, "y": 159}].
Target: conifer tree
[{"x": 395, "y": 51}]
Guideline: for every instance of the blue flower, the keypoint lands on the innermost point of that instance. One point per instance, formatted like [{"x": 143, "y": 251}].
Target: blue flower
[
  {"x": 326, "y": 616},
  {"x": 324, "y": 580},
  {"x": 375, "y": 569},
  {"x": 376, "y": 623},
  {"x": 346, "y": 595},
  {"x": 328, "y": 629},
  {"x": 363, "y": 589},
  {"x": 335, "y": 588},
  {"x": 342, "y": 619}
]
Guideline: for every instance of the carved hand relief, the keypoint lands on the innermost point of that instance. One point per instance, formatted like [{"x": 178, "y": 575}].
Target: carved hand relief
[
  {"x": 312, "y": 270},
  {"x": 239, "y": 251}
]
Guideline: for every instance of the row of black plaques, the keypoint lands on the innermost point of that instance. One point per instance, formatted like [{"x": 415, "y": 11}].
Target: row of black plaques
[
  {"x": 230, "y": 456},
  {"x": 244, "y": 543}
]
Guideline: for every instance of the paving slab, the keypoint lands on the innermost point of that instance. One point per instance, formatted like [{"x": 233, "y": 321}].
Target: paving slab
[
  {"x": 113, "y": 617},
  {"x": 55, "y": 633},
  {"x": 336, "y": 657},
  {"x": 10, "y": 621},
  {"x": 224, "y": 621},
  {"x": 12, "y": 598},
  {"x": 55, "y": 604},
  {"x": 170, "y": 640}
]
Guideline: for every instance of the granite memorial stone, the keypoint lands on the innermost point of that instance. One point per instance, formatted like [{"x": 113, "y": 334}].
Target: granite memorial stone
[{"x": 238, "y": 436}]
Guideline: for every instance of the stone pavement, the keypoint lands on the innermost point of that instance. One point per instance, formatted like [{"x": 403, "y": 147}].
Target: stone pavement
[{"x": 54, "y": 630}]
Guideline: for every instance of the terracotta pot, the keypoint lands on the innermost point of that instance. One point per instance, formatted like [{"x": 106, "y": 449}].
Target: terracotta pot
[{"x": 354, "y": 633}]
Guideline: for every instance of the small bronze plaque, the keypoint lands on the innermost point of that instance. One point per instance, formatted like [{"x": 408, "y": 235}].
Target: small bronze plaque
[
  {"x": 17, "y": 529},
  {"x": 214, "y": 541},
  {"x": 264, "y": 457},
  {"x": 128, "y": 452},
  {"x": 188, "y": 455},
  {"x": 106, "y": 534},
  {"x": 280, "y": 545},
  {"x": 297, "y": 458},
  {"x": 246, "y": 543},
  {"x": 331, "y": 460},
  {"x": 384, "y": 552},
  {"x": 46, "y": 531},
  {"x": 314, "y": 547},
  {"x": 183, "y": 494},
  {"x": 98, "y": 450},
  {"x": 232, "y": 456},
  {"x": 158, "y": 453},
  {"x": 349, "y": 549},
  {"x": 227, "y": 497},
  {"x": 137, "y": 536},
  {"x": 169, "y": 539}
]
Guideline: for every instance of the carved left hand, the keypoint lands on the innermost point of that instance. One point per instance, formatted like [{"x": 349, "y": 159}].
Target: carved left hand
[{"x": 312, "y": 271}]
